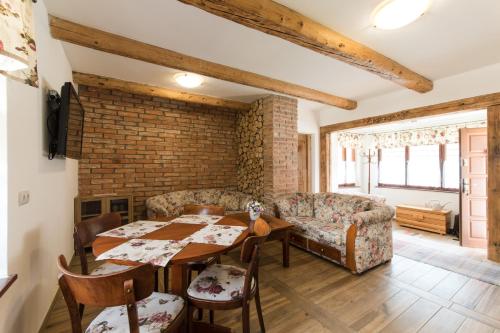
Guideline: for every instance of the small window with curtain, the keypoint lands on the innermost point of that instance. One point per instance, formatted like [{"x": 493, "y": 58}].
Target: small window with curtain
[{"x": 346, "y": 172}]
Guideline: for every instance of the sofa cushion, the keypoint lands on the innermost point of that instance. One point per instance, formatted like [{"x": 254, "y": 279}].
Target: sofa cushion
[
  {"x": 244, "y": 200},
  {"x": 325, "y": 232},
  {"x": 207, "y": 197},
  {"x": 177, "y": 200},
  {"x": 328, "y": 206},
  {"x": 287, "y": 205},
  {"x": 230, "y": 200},
  {"x": 305, "y": 204}
]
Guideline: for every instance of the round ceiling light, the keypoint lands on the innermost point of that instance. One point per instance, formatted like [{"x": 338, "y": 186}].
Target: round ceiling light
[
  {"x": 188, "y": 80},
  {"x": 394, "y": 14}
]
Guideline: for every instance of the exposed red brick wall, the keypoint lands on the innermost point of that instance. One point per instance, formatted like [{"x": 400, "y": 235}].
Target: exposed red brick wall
[
  {"x": 280, "y": 146},
  {"x": 147, "y": 146}
]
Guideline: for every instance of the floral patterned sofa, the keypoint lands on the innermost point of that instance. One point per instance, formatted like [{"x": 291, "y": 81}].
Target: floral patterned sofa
[
  {"x": 353, "y": 231},
  {"x": 171, "y": 204}
]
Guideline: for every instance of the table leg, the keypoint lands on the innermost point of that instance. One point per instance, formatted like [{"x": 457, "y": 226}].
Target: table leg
[
  {"x": 286, "y": 249},
  {"x": 179, "y": 281}
]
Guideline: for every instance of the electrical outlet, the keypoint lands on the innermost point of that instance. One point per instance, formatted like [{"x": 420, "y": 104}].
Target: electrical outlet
[{"x": 23, "y": 197}]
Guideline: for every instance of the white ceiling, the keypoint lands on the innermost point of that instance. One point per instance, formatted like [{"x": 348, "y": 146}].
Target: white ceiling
[{"x": 455, "y": 36}]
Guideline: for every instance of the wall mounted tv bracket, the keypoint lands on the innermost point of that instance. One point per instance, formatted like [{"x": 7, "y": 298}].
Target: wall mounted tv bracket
[{"x": 53, "y": 104}]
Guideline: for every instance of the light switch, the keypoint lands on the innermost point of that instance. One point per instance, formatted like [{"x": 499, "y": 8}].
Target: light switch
[{"x": 23, "y": 197}]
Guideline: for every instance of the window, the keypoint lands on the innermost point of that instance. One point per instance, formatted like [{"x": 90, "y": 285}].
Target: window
[
  {"x": 423, "y": 166},
  {"x": 346, "y": 172},
  {"x": 392, "y": 166},
  {"x": 434, "y": 167}
]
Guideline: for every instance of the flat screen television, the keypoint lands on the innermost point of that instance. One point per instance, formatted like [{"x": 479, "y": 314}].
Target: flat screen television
[{"x": 65, "y": 123}]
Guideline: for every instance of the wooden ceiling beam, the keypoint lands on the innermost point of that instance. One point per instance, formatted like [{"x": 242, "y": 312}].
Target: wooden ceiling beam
[
  {"x": 466, "y": 104},
  {"x": 104, "y": 41},
  {"x": 144, "y": 89},
  {"x": 277, "y": 20}
]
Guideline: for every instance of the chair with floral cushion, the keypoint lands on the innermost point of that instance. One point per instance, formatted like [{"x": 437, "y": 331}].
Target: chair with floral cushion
[
  {"x": 225, "y": 287},
  {"x": 128, "y": 297},
  {"x": 86, "y": 232}
]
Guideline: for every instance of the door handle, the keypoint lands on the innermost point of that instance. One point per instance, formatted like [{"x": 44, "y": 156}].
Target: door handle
[{"x": 465, "y": 186}]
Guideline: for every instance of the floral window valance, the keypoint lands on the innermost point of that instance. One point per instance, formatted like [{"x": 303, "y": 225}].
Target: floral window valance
[
  {"x": 411, "y": 137},
  {"x": 17, "y": 37}
]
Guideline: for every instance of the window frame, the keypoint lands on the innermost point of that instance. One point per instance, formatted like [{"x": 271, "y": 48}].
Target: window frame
[
  {"x": 441, "y": 188},
  {"x": 344, "y": 159}
]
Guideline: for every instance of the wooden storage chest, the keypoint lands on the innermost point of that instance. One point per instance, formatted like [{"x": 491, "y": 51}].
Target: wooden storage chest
[{"x": 423, "y": 218}]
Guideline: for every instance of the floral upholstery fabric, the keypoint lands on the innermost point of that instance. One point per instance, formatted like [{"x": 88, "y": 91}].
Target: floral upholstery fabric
[
  {"x": 219, "y": 283},
  {"x": 305, "y": 204},
  {"x": 155, "y": 313},
  {"x": 207, "y": 197},
  {"x": 108, "y": 268},
  {"x": 230, "y": 200},
  {"x": 171, "y": 204},
  {"x": 333, "y": 215},
  {"x": 321, "y": 231}
]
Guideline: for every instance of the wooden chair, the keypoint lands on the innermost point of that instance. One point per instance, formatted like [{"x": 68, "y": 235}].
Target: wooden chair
[
  {"x": 199, "y": 266},
  {"x": 203, "y": 210},
  {"x": 86, "y": 232},
  {"x": 128, "y": 297},
  {"x": 224, "y": 287}
]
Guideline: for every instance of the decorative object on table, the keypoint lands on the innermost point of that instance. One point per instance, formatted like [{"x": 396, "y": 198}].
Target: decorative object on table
[
  {"x": 435, "y": 205},
  {"x": 17, "y": 43},
  {"x": 216, "y": 234},
  {"x": 254, "y": 208},
  {"x": 135, "y": 229},
  {"x": 197, "y": 219},
  {"x": 156, "y": 252}
]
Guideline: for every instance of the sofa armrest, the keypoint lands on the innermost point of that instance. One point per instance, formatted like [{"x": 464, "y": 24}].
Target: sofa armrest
[{"x": 380, "y": 213}]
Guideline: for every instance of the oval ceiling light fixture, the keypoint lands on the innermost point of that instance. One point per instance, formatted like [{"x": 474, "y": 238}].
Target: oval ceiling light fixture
[
  {"x": 394, "y": 14},
  {"x": 188, "y": 80}
]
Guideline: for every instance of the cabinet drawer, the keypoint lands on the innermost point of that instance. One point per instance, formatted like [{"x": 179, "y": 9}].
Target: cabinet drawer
[
  {"x": 298, "y": 240},
  {"x": 324, "y": 250}
]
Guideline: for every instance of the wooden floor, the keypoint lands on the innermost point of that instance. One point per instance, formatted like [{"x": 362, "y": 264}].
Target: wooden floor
[{"x": 314, "y": 295}]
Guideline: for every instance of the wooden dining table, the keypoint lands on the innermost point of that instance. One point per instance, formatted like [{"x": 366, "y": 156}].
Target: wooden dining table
[{"x": 192, "y": 251}]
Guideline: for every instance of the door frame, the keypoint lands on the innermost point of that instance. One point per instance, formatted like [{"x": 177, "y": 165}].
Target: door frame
[{"x": 308, "y": 159}]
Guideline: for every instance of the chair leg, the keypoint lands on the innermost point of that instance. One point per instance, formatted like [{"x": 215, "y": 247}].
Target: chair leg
[
  {"x": 165, "y": 279},
  {"x": 259, "y": 310},
  {"x": 218, "y": 260},
  {"x": 189, "y": 319},
  {"x": 211, "y": 313},
  {"x": 246, "y": 318},
  {"x": 200, "y": 314},
  {"x": 156, "y": 280}
]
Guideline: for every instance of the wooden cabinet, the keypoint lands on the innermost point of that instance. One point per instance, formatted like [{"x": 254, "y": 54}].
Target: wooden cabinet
[
  {"x": 92, "y": 206},
  {"x": 423, "y": 218}
]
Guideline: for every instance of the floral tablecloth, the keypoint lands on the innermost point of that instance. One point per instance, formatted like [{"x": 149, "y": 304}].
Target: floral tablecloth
[
  {"x": 197, "y": 219},
  {"x": 216, "y": 234},
  {"x": 135, "y": 229},
  {"x": 156, "y": 252}
]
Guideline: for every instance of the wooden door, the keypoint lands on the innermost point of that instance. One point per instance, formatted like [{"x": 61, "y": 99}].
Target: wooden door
[
  {"x": 474, "y": 186},
  {"x": 304, "y": 169}
]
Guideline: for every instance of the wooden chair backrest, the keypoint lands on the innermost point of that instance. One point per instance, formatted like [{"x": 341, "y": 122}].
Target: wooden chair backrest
[
  {"x": 122, "y": 288},
  {"x": 203, "y": 210},
  {"x": 86, "y": 232},
  {"x": 260, "y": 232}
]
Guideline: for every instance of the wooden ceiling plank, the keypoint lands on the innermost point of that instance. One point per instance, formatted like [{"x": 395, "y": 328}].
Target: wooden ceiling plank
[
  {"x": 144, "y": 89},
  {"x": 469, "y": 104},
  {"x": 278, "y": 20},
  {"x": 104, "y": 41}
]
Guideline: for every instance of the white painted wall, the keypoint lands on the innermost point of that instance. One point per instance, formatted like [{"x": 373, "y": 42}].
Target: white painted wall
[
  {"x": 3, "y": 175},
  {"x": 481, "y": 81},
  {"x": 307, "y": 123},
  {"x": 41, "y": 230}
]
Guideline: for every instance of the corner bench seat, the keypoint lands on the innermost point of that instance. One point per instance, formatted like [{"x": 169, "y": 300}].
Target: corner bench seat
[
  {"x": 171, "y": 204},
  {"x": 352, "y": 231}
]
